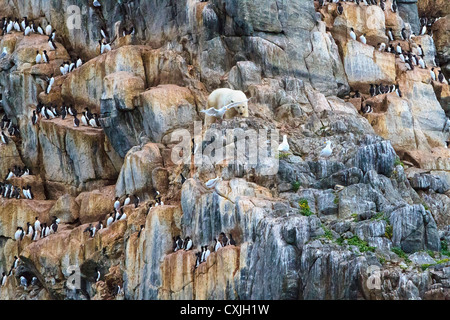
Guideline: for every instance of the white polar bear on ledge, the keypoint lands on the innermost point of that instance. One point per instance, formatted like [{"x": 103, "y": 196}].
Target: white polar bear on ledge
[{"x": 224, "y": 96}]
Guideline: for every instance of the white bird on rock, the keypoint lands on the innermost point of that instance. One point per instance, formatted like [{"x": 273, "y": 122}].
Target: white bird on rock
[
  {"x": 213, "y": 182},
  {"x": 97, "y": 3},
  {"x": 284, "y": 146},
  {"x": 363, "y": 39},
  {"x": 326, "y": 152},
  {"x": 4, "y": 53},
  {"x": 219, "y": 113},
  {"x": 48, "y": 29},
  {"x": 352, "y": 34},
  {"x": 23, "y": 282}
]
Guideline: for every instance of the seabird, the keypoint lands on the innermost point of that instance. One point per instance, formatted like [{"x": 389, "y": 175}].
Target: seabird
[
  {"x": 23, "y": 282},
  {"x": 37, "y": 224},
  {"x": 110, "y": 219},
  {"x": 48, "y": 30},
  {"x": 391, "y": 36},
  {"x": 183, "y": 179},
  {"x": 340, "y": 8},
  {"x": 394, "y": 6},
  {"x": 218, "y": 245},
  {"x": 188, "y": 244},
  {"x": 83, "y": 119},
  {"x": 362, "y": 38},
  {"x": 136, "y": 201},
  {"x": 372, "y": 90},
  {"x": 76, "y": 122},
  {"x": 9, "y": 175},
  {"x": 140, "y": 230},
  {"x": 403, "y": 34},
  {"x": 117, "y": 204},
  {"x": 423, "y": 30},
  {"x": 18, "y": 235},
  {"x": 97, "y": 4},
  {"x": 203, "y": 251},
  {"x": 352, "y": 34},
  {"x": 213, "y": 182},
  {"x": 97, "y": 274},
  {"x": 219, "y": 113},
  {"x": 127, "y": 200},
  {"x": 93, "y": 123},
  {"x": 51, "y": 44},
  {"x": 366, "y": 109},
  {"x": 40, "y": 30},
  {"x": 207, "y": 253},
  {"x": 420, "y": 50},
  {"x": 27, "y": 31},
  {"x": 432, "y": 74},
  {"x": 326, "y": 152},
  {"x": 38, "y": 57},
  {"x": 45, "y": 57},
  {"x": 422, "y": 63},
  {"x": 397, "y": 91},
  {"x": 441, "y": 77},
  {"x": 4, "y": 53},
  {"x": 284, "y": 146}
]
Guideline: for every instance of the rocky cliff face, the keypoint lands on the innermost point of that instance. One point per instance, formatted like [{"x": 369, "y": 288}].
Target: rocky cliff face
[{"x": 369, "y": 222}]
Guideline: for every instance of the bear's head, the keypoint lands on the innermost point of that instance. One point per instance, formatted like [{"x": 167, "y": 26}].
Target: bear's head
[{"x": 242, "y": 109}]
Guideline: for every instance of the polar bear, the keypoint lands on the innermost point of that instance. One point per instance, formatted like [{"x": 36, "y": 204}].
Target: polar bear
[{"x": 223, "y": 96}]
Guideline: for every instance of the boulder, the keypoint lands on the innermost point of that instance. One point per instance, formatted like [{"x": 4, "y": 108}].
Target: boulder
[
  {"x": 165, "y": 108},
  {"x": 136, "y": 174},
  {"x": 414, "y": 229},
  {"x": 95, "y": 205}
]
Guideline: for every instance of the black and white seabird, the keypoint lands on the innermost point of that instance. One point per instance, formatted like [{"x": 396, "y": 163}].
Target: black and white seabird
[
  {"x": 19, "y": 234},
  {"x": 23, "y": 282},
  {"x": 188, "y": 244},
  {"x": 352, "y": 34},
  {"x": 394, "y": 6},
  {"x": 183, "y": 179},
  {"x": 97, "y": 274},
  {"x": 110, "y": 219},
  {"x": 441, "y": 77},
  {"x": 403, "y": 34},
  {"x": 366, "y": 109},
  {"x": 340, "y": 8},
  {"x": 52, "y": 44},
  {"x": 84, "y": 120},
  {"x": 76, "y": 122},
  {"x": 45, "y": 57},
  {"x": 117, "y": 204},
  {"x": 363, "y": 39},
  {"x": 136, "y": 201},
  {"x": 217, "y": 246},
  {"x": 127, "y": 200},
  {"x": 140, "y": 230}
]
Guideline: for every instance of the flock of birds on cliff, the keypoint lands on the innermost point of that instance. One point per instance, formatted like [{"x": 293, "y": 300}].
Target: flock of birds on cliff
[
  {"x": 10, "y": 191},
  {"x": 411, "y": 58},
  {"x": 202, "y": 255}
]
